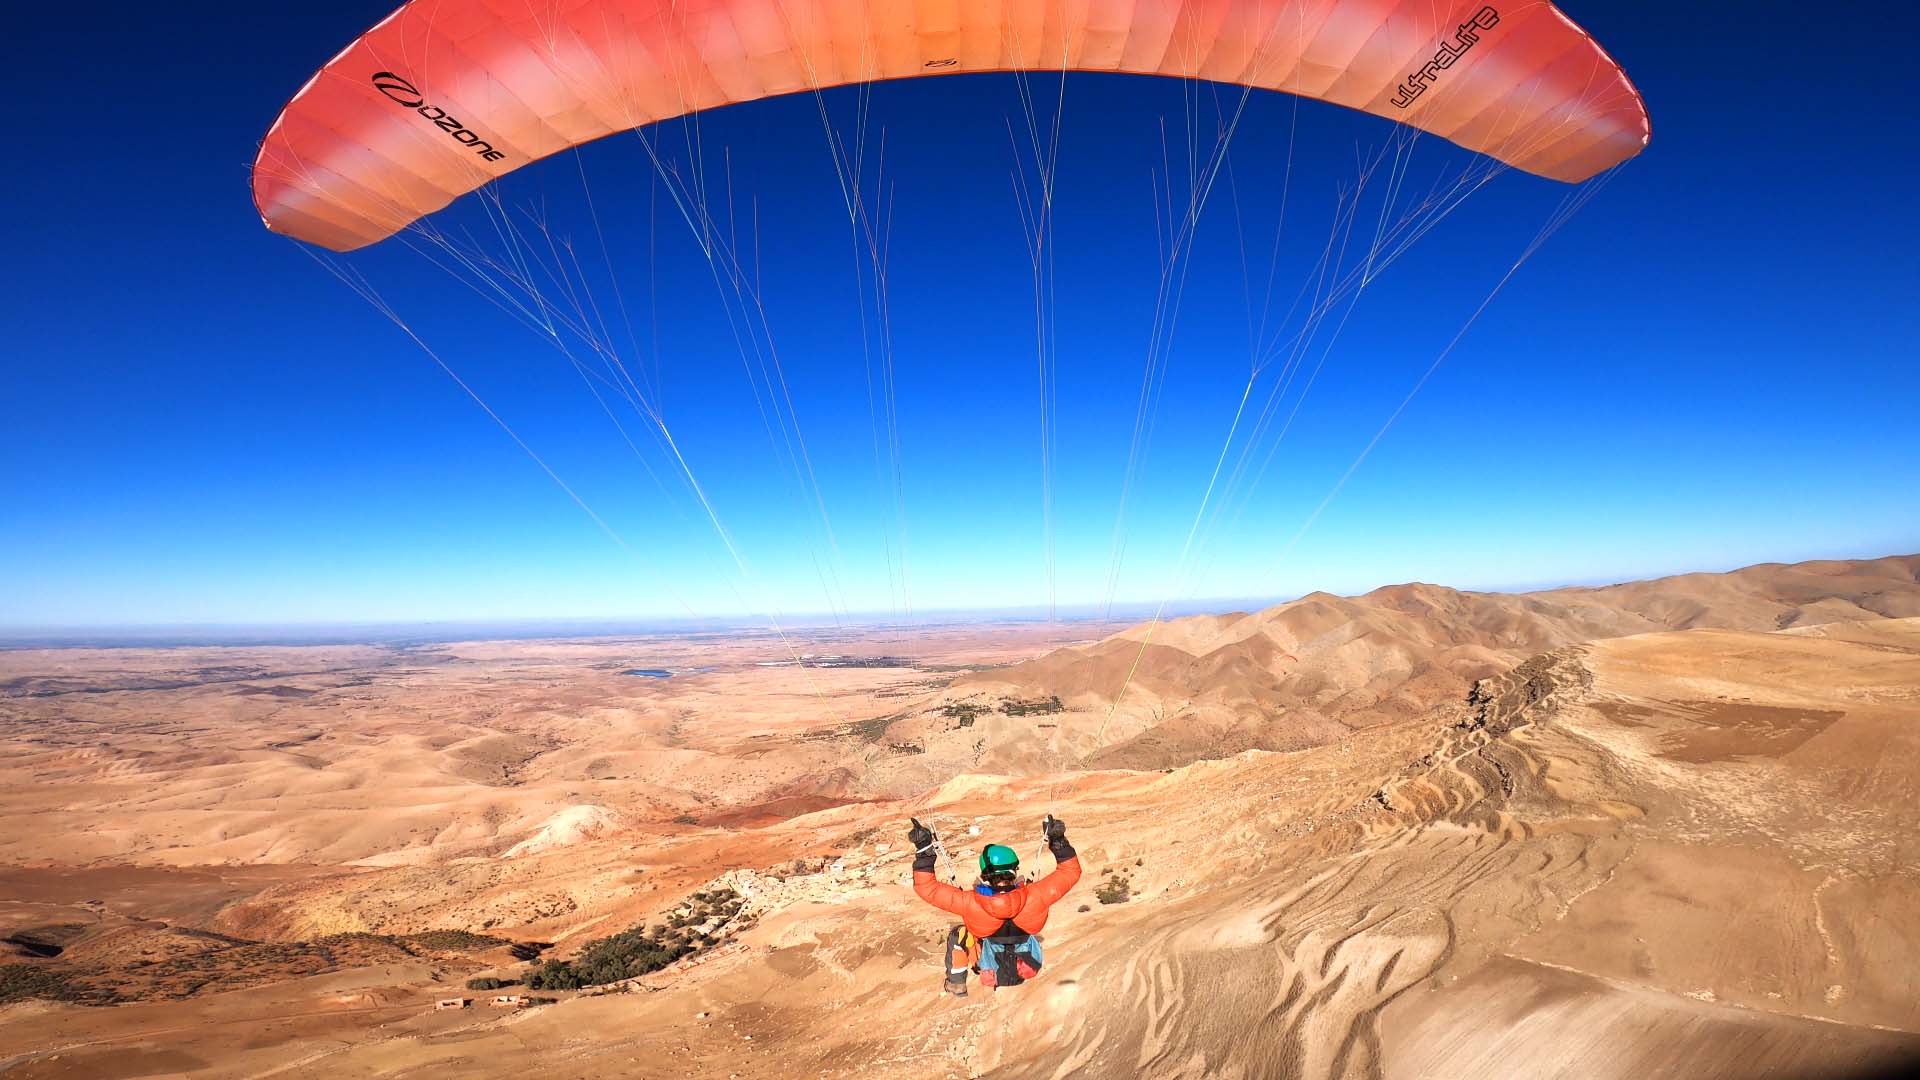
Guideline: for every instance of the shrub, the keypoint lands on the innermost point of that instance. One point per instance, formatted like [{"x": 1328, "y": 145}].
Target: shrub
[
  {"x": 622, "y": 956},
  {"x": 20, "y": 982},
  {"x": 452, "y": 941},
  {"x": 1115, "y": 890},
  {"x": 488, "y": 982},
  {"x": 1035, "y": 707},
  {"x": 555, "y": 975},
  {"x": 964, "y": 712}
]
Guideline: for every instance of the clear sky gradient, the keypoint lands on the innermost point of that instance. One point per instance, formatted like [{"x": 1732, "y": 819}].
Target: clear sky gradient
[{"x": 1713, "y": 363}]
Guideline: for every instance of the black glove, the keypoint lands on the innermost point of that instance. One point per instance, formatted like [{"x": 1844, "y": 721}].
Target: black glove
[
  {"x": 922, "y": 839},
  {"x": 919, "y": 836},
  {"x": 1055, "y": 831}
]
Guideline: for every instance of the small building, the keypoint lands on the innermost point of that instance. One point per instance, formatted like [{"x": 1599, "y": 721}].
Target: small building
[
  {"x": 451, "y": 1003},
  {"x": 508, "y": 1001}
]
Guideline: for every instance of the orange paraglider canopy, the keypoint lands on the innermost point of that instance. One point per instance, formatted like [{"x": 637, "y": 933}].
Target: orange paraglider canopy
[{"x": 444, "y": 96}]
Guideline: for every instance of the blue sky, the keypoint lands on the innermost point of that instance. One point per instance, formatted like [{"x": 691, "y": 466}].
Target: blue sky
[{"x": 1712, "y": 364}]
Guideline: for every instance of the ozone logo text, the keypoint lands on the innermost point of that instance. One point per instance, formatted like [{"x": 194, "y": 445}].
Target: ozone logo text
[
  {"x": 408, "y": 96},
  {"x": 398, "y": 89},
  {"x": 1466, "y": 36}
]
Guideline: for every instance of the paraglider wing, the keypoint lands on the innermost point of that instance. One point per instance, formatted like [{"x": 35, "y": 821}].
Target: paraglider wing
[{"x": 444, "y": 96}]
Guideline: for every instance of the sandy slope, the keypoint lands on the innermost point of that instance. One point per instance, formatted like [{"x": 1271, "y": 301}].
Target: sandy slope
[
  {"x": 1305, "y": 672},
  {"x": 1673, "y": 853},
  {"x": 1681, "y": 853},
  {"x": 280, "y": 755}
]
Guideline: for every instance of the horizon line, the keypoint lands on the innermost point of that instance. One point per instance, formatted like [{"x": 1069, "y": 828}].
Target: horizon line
[{"x": 14, "y": 636}]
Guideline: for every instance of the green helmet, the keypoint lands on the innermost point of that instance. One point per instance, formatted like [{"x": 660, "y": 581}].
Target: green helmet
[{"x": 999, "y": 859}]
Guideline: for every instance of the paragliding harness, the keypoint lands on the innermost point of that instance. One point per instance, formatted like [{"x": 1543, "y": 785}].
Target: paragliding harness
[{"x": 998, "y": 958}]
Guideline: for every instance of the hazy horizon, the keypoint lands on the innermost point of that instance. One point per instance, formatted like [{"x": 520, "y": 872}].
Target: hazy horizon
[{"x": 538, "y": 627}]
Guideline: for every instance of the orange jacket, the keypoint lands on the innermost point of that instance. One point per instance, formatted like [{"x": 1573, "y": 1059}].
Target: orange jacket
[{"x": 1026, "y": 906}]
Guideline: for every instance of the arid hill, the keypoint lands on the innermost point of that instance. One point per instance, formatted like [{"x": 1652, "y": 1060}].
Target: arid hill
[
  {"x": 1680, "y": 852},
  {"x": 278, "y": 755},
  {"x": 1308, "y": 671}
]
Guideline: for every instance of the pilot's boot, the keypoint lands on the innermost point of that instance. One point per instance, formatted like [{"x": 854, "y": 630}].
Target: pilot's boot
[{"x": 959, "y": 958}]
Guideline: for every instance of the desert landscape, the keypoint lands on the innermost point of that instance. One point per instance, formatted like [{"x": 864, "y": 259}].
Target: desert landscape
[
  {"x": 1657, "y": 828},
  {"x": 951, "y": 539}
]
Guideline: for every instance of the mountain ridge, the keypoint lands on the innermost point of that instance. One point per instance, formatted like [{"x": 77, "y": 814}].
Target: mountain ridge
[{"x": 1308, "y": 670}]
